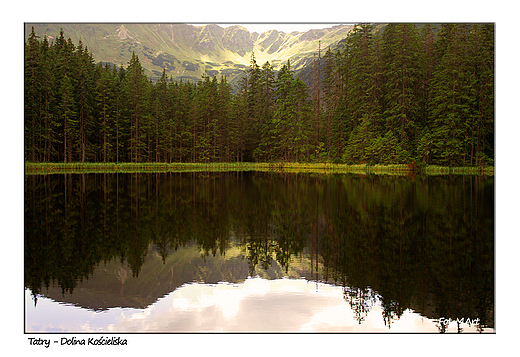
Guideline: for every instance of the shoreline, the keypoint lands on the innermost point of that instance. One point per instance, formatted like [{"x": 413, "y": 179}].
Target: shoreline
[{"x": 280, "y": 167}]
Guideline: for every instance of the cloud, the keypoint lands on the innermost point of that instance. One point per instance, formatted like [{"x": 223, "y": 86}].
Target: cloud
[{"x": 256, "y": 305}]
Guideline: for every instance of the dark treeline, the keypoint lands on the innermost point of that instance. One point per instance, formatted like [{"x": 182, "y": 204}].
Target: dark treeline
[
  {"x": 425, "y": 244},
  {"x": 391, "y": 96}
]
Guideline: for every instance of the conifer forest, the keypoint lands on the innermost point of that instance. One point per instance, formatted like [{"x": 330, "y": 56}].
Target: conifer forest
[{"x": 405, "y": 93}]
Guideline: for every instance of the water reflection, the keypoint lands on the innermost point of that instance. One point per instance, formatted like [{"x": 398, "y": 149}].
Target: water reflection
[{"x": 392, "y": 249}]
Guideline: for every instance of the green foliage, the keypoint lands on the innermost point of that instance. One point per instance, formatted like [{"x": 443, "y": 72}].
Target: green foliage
[
  {"x": 427, "y": 95},
  {"x": 387, "y": 96}
]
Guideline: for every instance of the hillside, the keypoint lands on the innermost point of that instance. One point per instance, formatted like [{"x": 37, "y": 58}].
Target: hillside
[{"x": 187, "y": 51}]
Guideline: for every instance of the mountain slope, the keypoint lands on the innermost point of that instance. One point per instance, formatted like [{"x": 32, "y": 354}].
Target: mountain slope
[{"x": 187, "y": 51}]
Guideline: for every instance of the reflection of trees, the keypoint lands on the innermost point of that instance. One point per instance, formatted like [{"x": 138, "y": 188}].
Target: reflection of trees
[
  {"x": 425, "y": 244},
  {"x": 360, "y": 300},
  {"x": 392, "y": 311},
  {"x": 419, "y": 244},
  {"x": 74, "y": 222}
]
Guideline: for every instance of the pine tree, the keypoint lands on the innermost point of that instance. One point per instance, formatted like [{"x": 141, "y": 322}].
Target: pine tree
[
  {"x": 283, "y": 116},
  {"x": 238, "y": 120},
  {"x": 32, "y": 97},
  {"x": 479, "y": 92},
  {"x": 401, "y": 58},
  {"x": 224, "y": 113},
  {"x": 361, "y": 95},
  {"x": 160, "y": 106},
  {"x": 68, "y": 117},
  {"x": 453, "y": 98},
  {"x": 119, "y": 121},
  {"x": 264, "y": 112},
  {"x": 484, "y": 153},
  {"x": 361, "y": 76},
  {"x": 105, "y": 111},
  {"x": 184, "y": 137},
  {"x": 302, "y": 126},
  {"x": 84, "y": 89},
  {"x": 64, "y": 85},
  {"x": 335, "y": 84},
  {"x": 254, "y": 99},
  {"x": 331, "y": 97},
  {"x": 136, "y": 106},
  {"x": 50, "y": 120}
]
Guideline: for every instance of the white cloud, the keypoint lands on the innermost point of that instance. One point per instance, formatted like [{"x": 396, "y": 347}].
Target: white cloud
[{"x": 256, "y": 305}]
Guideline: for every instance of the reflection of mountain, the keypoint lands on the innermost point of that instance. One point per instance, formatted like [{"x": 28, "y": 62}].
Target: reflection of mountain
[
  {"x": 105, "y": 288},
  {"x": 112, "y": 285},
  {"x": 425, "y": 244}
]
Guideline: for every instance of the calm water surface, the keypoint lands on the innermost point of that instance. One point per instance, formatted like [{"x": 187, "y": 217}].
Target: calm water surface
[{"x": 255, "y": 252}]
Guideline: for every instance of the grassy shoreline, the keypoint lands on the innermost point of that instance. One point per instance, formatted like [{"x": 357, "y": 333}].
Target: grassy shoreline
[{"x": 293, "y": 167}]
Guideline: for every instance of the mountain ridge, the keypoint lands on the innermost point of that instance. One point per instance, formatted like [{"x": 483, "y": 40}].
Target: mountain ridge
[{"x": 187, "y": 51}]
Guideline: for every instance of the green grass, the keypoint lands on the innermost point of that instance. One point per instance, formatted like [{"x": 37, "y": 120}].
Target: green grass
[
  {"x": 289, "y": 167},
  {"x": 469, "y": 170}
]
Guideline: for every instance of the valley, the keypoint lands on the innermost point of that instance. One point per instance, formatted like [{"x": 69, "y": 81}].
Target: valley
[{"x": 187, "y": 51}]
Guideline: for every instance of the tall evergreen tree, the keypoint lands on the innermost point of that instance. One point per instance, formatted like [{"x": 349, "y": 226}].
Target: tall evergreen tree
[
  {"x": 224, "y": 114},
  {"x": 451, "y": 98},
  {"x": 32, "y": 97},
  {"x": 401, "y": 58},
  {"x": 136, "y": 104},
  {"x": 484, "y": 143},
  {"x": 335, "y": 84},
  {"x": 254, "y": 99},
  {"x": 68, "y": 117},
  {"x": 50, "y": 121},
  {"x": 301, "y": 136},
  {"x": 238, "y": 119},
  {"x": 264, "y": 110},
  {"x": 284, "y": 113},
  {"x": 105, "y": 111},
  {"x": 84, "y": 90},
  {"x": 362, "y": 100}
]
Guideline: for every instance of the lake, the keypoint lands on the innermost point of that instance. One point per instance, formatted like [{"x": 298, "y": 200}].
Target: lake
[{"x": 258, "y": 252}]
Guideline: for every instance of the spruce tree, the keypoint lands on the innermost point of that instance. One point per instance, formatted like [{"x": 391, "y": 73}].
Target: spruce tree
[
  {"x": 32, "y": 97},
  {"x": 361, "y": 96},
  {"x": 84, "y": 90},
  {"x": 105, "y": 113},
  {"x": 239, "y": 115},
  {"x": 283, "y": 115},
  {"x": 264, "y": 112},
  {"x": 68, "y": 117},
  {"x": 224, "y": 113},
  {"x": 136, "y": 105},
  {"x": 50, "y": 120},
  {"x": 401, "y": 58},
  {"x": 254, "y": 99},
  {"x": 301, "y": 125},
  {"x": 452, "y": 99},
  {"x": 484, "y": 151}
]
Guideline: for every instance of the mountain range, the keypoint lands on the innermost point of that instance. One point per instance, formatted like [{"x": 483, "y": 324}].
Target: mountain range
[{"x": 187, "y": 51}]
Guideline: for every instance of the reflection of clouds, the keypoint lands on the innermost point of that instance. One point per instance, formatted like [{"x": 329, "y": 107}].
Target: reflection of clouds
[{"x": 256, "y": 305}]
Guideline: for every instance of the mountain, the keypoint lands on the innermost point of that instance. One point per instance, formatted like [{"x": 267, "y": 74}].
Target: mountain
[{"x": 187, "y": 51}]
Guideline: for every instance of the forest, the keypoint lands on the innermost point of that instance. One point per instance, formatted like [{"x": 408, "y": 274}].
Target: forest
[{"x": 405, "y": 93}]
